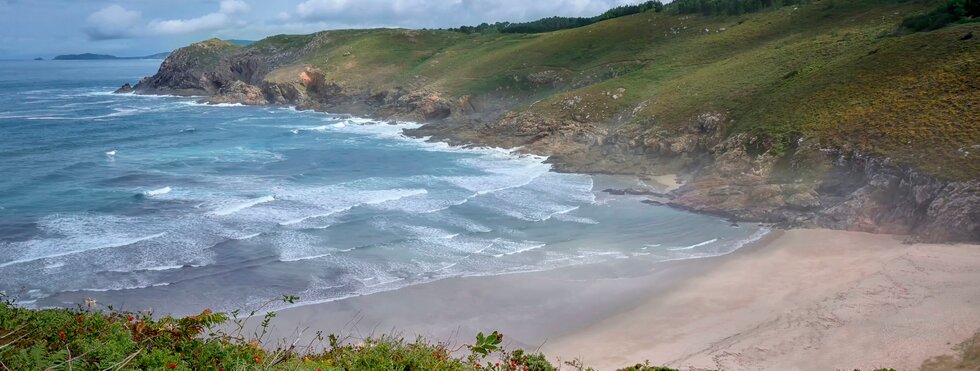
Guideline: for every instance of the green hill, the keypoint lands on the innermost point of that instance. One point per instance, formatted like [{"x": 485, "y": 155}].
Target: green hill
[{"x": 797, "y": 99}]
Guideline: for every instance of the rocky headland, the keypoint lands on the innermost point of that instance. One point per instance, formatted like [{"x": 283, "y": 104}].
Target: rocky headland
[{"x": 603, "y": 120}]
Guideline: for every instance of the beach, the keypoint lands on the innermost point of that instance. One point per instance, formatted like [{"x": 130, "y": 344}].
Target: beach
[{"x": 796, "y": 300}]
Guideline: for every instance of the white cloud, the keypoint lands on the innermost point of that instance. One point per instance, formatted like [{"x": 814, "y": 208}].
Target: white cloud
[
  {"x": 233, "y": 6},
  {"x": 448, "y": 13},
  {"x": 116, "y": 22},
  {"x": 112, "y": 22},
  {"x": 207, "y": 22}
]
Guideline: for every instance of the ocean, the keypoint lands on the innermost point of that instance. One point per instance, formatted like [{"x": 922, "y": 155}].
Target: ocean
[{"x": 165, "y": 204}]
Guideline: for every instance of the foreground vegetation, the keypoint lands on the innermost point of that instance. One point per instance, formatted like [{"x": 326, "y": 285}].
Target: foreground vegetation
[
  {"x": 113, "y": 340},
  {"x": 88, "y": 339}
]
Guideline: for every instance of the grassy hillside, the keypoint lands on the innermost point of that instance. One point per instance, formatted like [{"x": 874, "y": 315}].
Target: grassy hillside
[{"x": 838, "y": 71}]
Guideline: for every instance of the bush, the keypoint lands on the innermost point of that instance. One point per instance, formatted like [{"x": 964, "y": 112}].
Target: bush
[
  {"x": 95, "y": 340},
  {"x": 952, "y": 11}
]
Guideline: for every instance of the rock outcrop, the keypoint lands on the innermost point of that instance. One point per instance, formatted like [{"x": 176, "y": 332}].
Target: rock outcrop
[
  {"x": 238, "y": 92},
  {"x": 124, "y": 89}
]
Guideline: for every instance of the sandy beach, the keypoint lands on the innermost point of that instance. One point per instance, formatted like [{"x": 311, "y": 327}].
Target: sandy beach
[{"x": 798, "y": 300}]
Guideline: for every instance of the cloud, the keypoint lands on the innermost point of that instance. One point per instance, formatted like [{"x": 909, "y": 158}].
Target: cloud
[
  {"x": 428, "y": 13},
  {"x": 233, "y": 6},
  {"x": 208, "y": 22},
  {"x": 205, "y": 22},
  {"x": 112, "y": 22},
  {"x": 116, "y": 22}
]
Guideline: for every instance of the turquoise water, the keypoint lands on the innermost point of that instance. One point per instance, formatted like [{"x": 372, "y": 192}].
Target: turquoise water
[{"x": 163, "y": 203}]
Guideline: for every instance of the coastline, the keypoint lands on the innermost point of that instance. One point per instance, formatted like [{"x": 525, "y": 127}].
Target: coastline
[
  {"x": 792, "y": 300},
  {"x": 567, "y": 312}
]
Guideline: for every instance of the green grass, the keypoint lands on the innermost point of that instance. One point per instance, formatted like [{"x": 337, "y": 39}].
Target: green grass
[{"x": 209, "y": 52}]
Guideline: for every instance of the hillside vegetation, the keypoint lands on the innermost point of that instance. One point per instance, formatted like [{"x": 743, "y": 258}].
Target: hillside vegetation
[
  {"x": 838, "y": 71},
  {"x": 833, "y": 113}
]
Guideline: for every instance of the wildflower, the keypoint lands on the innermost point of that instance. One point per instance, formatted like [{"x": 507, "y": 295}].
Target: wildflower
[
  {"x": 258, "y": 359},
  {"x": 61, "y": 335},
  {"x": 496, "y": 364},
  {"x": 130, "y": 318},
  {"x": 80, "y": 318},
  {"x": 172, "y": 365},
  {"x": 478, "y": 365}
]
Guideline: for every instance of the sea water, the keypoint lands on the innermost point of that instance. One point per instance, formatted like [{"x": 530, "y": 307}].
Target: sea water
[{"x": 149, "y": 202}]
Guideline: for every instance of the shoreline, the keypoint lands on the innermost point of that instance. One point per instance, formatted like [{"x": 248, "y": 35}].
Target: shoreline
[
  {"x": 623, "y": 288},
  {"x": 788, "y": 301}
]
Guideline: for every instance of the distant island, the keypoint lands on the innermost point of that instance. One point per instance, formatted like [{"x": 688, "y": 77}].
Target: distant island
[
  {"x": 39, "y": 59},
  {"x": 91, "y": 56},
  {"x": 96, "y": 57}
]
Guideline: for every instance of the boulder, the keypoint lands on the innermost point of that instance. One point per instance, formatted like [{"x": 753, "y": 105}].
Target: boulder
[{"x": 124, "y": 89}]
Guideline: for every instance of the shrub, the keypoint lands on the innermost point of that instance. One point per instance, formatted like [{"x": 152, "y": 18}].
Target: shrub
[
  {"x": 98, "y": 340},
  {"x": 952, "y": 11}
]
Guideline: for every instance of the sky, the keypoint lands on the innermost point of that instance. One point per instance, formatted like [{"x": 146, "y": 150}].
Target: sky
[{"x": 45, "y": 28}]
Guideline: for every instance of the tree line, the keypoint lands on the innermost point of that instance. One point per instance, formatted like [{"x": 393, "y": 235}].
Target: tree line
[
  {"x": 560, "y": 23},
  {"x": 952, "y": 11},
  {"x": 706, "y": 7},
  {"x": 727, "y": 7}
]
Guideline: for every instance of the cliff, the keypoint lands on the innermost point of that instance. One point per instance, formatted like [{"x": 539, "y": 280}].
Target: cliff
[{"x": 821, "y": 114}]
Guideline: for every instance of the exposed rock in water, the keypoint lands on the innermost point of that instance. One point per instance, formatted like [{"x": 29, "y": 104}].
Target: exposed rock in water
[{"x": 124, "y": 89}]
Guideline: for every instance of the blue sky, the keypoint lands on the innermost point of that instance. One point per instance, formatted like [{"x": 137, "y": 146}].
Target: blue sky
[{"x": 32, "y": 28}]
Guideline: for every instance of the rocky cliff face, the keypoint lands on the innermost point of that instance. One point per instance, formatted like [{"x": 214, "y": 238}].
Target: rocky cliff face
[{"x": 811, "y": 186}]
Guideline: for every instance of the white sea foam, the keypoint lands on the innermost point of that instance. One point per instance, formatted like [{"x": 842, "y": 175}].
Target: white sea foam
[
  {"x": 575, "y": 219},
  {"x": 121, "y": 288},
  {"x": 157, "y": 192},
  {"x": 521, "y": 250},
  {"x": 198, "y": 104},
  {"x": 228, "y": 210},
  {"x": 248, "y": 236},
  {"x": 332, "y": 199},
  {"x": 711, "y": 241},
  {"x": 163, "y": 268},
  {"x": 117, "y": 243}
]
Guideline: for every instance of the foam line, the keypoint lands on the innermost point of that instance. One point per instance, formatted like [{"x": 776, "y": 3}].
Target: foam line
[
  {"x": 713, "y": 240},
  {"x": 124, "y": 243},
  {"x": 242, "y": 206}
]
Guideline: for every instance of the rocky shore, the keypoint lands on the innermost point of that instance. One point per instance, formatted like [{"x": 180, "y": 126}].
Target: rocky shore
[{"x": 807, "y": 186}]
